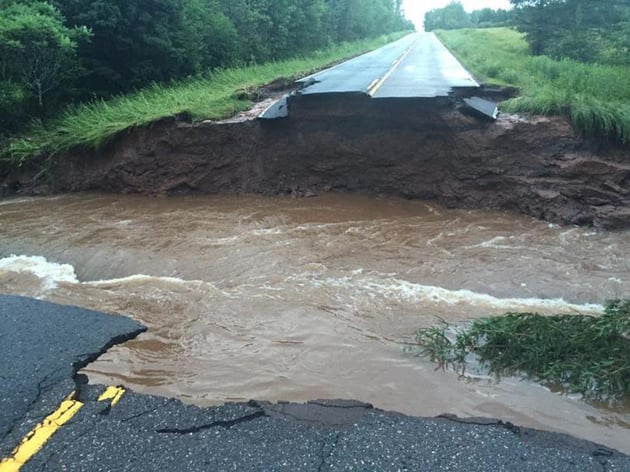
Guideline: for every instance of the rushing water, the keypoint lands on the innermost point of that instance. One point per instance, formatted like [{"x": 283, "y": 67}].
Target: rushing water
[{"x": 285, "y": 299}]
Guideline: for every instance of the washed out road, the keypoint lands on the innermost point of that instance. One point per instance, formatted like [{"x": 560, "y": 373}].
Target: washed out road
[
  {"x": 50, "y": 420},
  {"x": 417, "y": 66}
]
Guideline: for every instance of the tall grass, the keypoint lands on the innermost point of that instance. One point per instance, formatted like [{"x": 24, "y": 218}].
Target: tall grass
[
  {"x": 212, "y": 96},
  {"x": 594, "y": 97},
  {"x": 586, "y": 354}
]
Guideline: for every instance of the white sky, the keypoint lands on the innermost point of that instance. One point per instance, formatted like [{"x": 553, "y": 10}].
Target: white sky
[{"x": 415, "y": 9}]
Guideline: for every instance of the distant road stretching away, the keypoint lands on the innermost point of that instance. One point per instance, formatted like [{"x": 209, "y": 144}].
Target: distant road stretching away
[{"x": 416, "y": 66}]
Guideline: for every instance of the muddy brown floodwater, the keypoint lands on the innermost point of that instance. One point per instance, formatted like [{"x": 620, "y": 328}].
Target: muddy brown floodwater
[{"x": 295, "y": 299}]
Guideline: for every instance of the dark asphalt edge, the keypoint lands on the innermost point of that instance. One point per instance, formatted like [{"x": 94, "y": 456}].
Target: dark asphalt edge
[
  {"x": 333, "y": 433},
  {"x": 541, "y": 438},
  {"x": 81, "y": 380},
  {"x": 21, "y": 427},
  {"x": 338, "y": 409},
  {"x": 531, "y": 436}
]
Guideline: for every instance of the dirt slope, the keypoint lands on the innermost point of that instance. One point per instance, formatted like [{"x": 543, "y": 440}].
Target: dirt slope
[{"x": 537, "y": 166}]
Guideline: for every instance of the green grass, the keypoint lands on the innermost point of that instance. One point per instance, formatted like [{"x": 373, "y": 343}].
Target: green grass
[
  {"x": 217, "y": 95},
  {"x": 585, "y": 354},
  {"x": 594, "y": 97}
]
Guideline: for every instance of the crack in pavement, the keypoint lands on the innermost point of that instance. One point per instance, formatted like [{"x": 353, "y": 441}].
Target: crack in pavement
[
  {"x": 141, "y": 414},
  {"x": 215, "y": 424},
  {"x": 40, "y": 388},
  {"x": 330, "y": 452},
  {"x": 88, "y": 358}
]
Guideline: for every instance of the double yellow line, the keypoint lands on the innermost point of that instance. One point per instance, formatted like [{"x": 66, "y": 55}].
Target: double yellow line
[
  {"x": 378, "y": 83},
  {"x": 39, "y": 436}
]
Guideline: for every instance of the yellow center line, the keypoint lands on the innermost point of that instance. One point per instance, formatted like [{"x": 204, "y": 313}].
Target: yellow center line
[
  {"x": 39, "y": 436},
  {"x": 35, "y": 440},
  {"x": 373, "y": 88},
  {"x": 374, "y": 82}
]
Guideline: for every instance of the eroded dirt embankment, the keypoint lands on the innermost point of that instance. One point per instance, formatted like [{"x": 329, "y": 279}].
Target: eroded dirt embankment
[{"x": 537, "y": 166}]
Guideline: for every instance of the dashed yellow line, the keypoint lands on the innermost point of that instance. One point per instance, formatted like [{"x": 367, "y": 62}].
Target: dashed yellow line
[
  {"x": 111, "y": 393},
  {"x": 39, "y": 436},
  {"x": 377, "y": 84}
]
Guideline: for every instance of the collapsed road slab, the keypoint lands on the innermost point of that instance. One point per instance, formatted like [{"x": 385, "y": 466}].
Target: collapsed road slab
[{"x": 44, "y": 345}]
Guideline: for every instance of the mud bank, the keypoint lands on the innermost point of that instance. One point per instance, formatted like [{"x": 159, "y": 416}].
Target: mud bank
[{"x": 416, "y": 149}]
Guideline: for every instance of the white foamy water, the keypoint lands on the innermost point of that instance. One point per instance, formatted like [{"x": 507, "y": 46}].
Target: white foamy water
[
  {"x": 50, "y": 273},
  {"x": 385, "y": 286},
  {"x": 140, "y": 278},
  {"x": 402, "y": 290}
]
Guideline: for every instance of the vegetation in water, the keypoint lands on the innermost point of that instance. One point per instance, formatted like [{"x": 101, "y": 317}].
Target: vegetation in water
[
  {"x": 594, "y": 97},
  {"x": 585, "y": 354}
]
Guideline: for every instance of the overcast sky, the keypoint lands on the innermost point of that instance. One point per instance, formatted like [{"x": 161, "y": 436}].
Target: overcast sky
[{"x": 415, "y": 9}]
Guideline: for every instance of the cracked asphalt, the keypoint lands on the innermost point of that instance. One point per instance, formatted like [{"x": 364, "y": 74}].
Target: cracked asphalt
[{"x": 43, "y": 345}]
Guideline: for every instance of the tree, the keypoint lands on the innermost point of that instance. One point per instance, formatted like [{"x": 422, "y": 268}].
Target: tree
[
  {"x": 577, "y": 29},
  {"x": 487, "y": 17},
  {"x": 38, "y": 54},
  {"x": 135, "y": 42},
  {"x": 208, "y": 37},
  {"x": 452, "y": 16},
  {"x": 535, "y": 20}
]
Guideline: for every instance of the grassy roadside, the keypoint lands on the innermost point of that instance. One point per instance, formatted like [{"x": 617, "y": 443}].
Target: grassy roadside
[
  {"x": 585, "y": 354},
  {"x": 213, "y": 96},
  {"x": 595, "y": 98}
]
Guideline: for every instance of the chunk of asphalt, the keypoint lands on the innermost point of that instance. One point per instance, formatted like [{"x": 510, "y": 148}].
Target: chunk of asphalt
[
  {"x": 42, "y": 346},
  {"x": 482, "y": 108}
]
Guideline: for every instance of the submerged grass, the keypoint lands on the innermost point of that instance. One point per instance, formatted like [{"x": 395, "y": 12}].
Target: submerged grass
[
  {"x": 594, "y": 97},
  {"x": 585, "y": 354},
  {"x": 215, "y": 95}
]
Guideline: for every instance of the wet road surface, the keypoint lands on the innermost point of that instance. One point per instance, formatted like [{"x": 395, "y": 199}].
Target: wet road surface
[{"x": 416, "y": 66}]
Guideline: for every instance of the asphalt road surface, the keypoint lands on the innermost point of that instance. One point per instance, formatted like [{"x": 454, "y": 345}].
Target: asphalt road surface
[
  {"x": 51, "y": 421},
  {"x": 416, "y": 66}
]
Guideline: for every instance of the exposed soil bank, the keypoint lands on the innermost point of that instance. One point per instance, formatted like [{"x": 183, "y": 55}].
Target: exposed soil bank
[{"x": 421, "y": 149}]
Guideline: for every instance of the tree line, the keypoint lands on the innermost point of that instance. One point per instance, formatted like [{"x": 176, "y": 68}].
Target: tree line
[
  {"x": 58, "y": 51},
  {"x": 453, "y": 16},
  {"x": 584, "y": 30}
]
